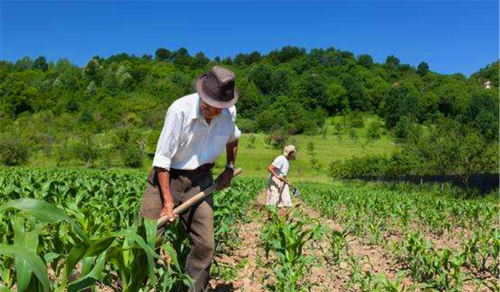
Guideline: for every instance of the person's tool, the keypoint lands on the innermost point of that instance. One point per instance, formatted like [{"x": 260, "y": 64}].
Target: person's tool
[
  {"x": 195, "y": 199},
  {"x": 295, "y": 191}
]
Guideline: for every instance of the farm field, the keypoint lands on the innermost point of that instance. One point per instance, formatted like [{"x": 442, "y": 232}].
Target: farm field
[{"x": 82, "y": 231}]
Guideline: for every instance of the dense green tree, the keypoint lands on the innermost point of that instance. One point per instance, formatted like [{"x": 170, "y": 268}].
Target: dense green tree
[
  {"x": 40, "y": 63},
  {"x": 365, "y": 61},
  {"x": 163, "y": 54},
  {"x": 200, "y": 61},
  {"x": 392, "y": 62},
  {"x": 423, "y": 69}
]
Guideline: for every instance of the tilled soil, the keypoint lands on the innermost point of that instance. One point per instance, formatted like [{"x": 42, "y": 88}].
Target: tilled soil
[{"x": 257, "y": 272}]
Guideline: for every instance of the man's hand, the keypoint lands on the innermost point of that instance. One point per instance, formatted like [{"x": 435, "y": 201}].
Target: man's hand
[
  {"x": 168, "y": 210},
  {"x": 224, "y": 180}
]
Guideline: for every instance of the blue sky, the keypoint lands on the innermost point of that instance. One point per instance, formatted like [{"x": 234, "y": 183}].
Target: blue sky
[{"x": 452, "y": 36}]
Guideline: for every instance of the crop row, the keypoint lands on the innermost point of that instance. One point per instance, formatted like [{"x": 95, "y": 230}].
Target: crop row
[{"x": 72, "y": 229}]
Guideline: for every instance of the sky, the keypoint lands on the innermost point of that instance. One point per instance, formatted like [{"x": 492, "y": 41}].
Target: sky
[{"x": 452, "y": 36}]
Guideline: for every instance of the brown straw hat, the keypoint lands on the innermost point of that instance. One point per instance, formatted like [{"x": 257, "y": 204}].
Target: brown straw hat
[{"x": 217, "y": 87}]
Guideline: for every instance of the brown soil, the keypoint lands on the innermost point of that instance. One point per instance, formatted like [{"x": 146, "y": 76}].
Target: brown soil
[{"x": 257, "y": 272}]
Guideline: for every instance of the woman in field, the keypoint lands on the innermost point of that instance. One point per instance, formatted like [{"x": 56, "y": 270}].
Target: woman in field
[{"x": 278, "y": 192}]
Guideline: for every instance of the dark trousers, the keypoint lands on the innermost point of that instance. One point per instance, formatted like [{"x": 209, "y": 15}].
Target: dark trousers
[{"x": 198, "y": 220}]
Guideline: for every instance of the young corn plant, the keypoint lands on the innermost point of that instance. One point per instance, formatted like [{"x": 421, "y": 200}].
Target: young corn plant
[
  {"x": 287, "y": 237},
  {"x": 338, "y": 247}
]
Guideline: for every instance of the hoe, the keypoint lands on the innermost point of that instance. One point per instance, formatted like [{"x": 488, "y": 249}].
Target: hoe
[{"x": 189, "y": 203}]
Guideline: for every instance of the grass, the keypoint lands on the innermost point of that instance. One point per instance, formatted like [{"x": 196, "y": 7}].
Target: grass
[{"x": 254, "y": 159}]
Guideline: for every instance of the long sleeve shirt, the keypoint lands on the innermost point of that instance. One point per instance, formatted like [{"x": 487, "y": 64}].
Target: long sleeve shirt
[{"x": 187, "y": 141}]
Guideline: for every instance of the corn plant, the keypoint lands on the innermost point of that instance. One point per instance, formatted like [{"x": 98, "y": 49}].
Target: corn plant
[
  {"x": 287, "y": 237},
  {"x": 338, "y": 246}
]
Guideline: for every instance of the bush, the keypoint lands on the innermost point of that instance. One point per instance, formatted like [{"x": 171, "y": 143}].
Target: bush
[
  {"x": 277, "y": 140},
  {"x": 13, "y": 152},
  {"x": 247, "y": 125},
  {"x": 406, "y": 130},
  {"x": 251, "y": 141},
  {"x": 355, "y": 120},
  {"x": 133, "y": 157},
  {"x": 87, "y": 150},
  {"x": 152, "y": 141},
  {"x": 359, "y": 167},
  {"x": 374, "y": 130},
  {"x": 353, "y": 135}
]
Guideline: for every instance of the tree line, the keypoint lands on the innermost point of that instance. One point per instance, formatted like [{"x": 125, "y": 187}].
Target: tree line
[{"x": 117, "y": 104}]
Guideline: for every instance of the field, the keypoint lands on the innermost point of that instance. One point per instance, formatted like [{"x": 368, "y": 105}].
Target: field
[
  {"x": 331, "y": 146},
  {"x": 82, "y": 231}
]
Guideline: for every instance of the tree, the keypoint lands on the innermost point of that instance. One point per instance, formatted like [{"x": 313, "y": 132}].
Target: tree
[
  {"x": 199, "y": 61},
  {"x": 163, "y": 54},
  {"x": 40, "y": 64},
  {"x": 337, "y": 100},
  {"x": 286, "y": 54},
  {"x": 261, "y": 77},
  {"x": 181, "y": 57},
  {"x": 365, "y": 61},
  {"x": 93, "y": 71},
  {"x": 392, "y": 62},
  {"x": 423, "y": 69},
  {"x": 354, "y": 92}
]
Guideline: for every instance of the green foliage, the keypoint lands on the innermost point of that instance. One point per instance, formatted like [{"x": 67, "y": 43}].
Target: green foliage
[
  {"x": 447, "y": 148},
  {"x": 13, "y": 151},
  {"x": 374, "y": 130},
  {"x": 82, "y": 228},
  {"x": 423, "y": 69},
  {"x": 371, "y": 210},
  {"x": 277, "y": 140},
  {"x": 287, "y": 238},
  {"x": 133, "y": 156},
  {"x": 289, "y": 89}
]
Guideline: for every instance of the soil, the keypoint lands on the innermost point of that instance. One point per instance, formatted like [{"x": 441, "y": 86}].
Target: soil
[{"x": 257, "y": 272}]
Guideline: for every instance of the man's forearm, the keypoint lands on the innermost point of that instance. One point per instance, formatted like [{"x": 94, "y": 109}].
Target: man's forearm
[
  {"x": 272, "y": 170},
  {"x": 231, "y": 151},
  {"x": 164, "y": 181}
]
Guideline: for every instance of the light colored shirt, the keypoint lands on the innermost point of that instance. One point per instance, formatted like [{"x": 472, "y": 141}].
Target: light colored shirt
[
  {"x": 187, "y": 141},
  {"x": 281, "y": 165}
]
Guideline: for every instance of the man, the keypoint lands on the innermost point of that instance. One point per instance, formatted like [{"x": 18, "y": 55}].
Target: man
[{"x": 197, "y": 129}]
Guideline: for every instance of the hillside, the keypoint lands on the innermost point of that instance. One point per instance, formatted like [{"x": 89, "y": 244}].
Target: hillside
[{"x": 109, "y": 112}]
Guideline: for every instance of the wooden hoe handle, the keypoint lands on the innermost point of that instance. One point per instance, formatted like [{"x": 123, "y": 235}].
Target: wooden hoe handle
[{"x": 195, "y": 199}]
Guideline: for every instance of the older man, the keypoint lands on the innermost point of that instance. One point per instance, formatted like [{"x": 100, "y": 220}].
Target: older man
[{"x": 197, "y": 129}]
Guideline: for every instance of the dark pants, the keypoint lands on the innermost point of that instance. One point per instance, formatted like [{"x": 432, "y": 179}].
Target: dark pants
[{"x": 198, "y": 221}]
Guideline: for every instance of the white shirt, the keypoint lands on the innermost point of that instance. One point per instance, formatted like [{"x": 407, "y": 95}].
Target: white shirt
[
  {"x": 187, "y": 141},
  {"x": 281, "y": 165}
]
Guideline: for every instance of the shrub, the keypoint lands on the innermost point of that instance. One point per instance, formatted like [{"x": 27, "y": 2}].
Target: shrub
[
  {"x": 13, "y": 152},
  {"x": 374, "y": 130},
  {"x": 355, "y": 120},
  {"x": 247, "y": 125},
  {"x": 251, "y": 141},
  {"x": 406, "y": 130},
  {"x": 133, "y": 157},
  {"x": 87, "y": 150},
  {"x": 277, "y": 139}
]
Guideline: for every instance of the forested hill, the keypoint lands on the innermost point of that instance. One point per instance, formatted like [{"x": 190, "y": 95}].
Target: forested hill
[{"x": 290, "y": 90}]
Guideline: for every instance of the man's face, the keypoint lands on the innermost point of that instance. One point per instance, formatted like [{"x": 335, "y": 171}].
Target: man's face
[
  {"x": 209, "y": 111},
  {"x": 291, "y": 155}
]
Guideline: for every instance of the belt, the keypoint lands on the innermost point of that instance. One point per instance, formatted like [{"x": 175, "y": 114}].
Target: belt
[{"x": 199, "y": 169}]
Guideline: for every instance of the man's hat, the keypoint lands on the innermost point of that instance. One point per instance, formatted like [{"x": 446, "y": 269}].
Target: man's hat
[{"x": 217, "y": 87}]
